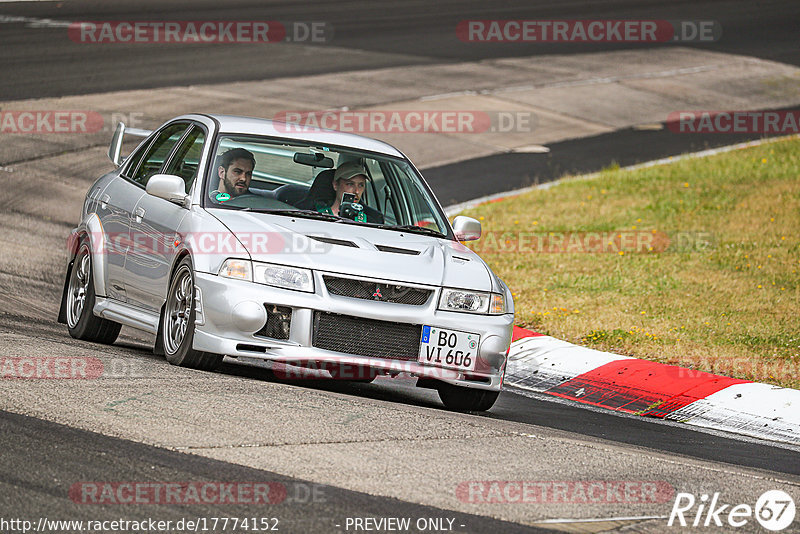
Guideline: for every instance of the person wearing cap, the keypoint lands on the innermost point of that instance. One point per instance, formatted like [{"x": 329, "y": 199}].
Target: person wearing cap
[{"x": 350, "y": 177}]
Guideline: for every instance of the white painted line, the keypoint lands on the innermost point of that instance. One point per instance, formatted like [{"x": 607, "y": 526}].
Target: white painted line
[
  {"x": 455, "y": 209},
  {"x": 650, "y": 126},
  {"x": 443, "y": 96},
  {"x": 34, "y": 22},
  {"x": 601, "y": 519},
  {"x": 532, "y": 149}
]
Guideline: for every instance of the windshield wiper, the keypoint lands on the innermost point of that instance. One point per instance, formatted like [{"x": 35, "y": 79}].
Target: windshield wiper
[
  {"x": 311, "y": 214},
  {"x": 413, "y": 228},
  {"x": 308, "y": 214}
]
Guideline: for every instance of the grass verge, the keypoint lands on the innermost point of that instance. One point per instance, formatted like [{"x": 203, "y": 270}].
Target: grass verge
[{"x": 693, "y": 263}]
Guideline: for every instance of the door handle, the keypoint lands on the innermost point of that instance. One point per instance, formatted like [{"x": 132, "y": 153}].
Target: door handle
[
  {"x": 138, "y": 213},
  {"x": 104, "y": 201}
]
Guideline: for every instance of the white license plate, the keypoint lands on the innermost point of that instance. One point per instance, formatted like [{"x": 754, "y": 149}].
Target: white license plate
[{"x": 448, "y": 348}]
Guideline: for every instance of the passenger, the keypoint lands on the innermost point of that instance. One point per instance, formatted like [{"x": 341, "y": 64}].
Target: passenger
[
  {"x": 235, "y": 171},
  {"x": 350, "y": 177}
]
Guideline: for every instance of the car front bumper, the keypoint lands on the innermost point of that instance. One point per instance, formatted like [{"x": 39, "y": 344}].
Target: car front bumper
[{"x": 231, "y": 315}]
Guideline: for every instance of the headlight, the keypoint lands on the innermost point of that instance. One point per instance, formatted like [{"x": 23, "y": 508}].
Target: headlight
[
  {"x": 285, "y": 277},
  {"x": 472, "y": 302},
  {"x": 238, "y": 269}
]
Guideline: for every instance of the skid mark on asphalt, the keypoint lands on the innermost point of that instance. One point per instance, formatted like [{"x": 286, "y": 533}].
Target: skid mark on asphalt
[
  {"x": 25, "y": 306},
  {"x": 112, "y": 406},
  {"x": 348, "y": 419}
]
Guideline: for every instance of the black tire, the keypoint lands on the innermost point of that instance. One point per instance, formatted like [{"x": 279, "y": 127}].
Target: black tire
[
  {"x": 177, "y": 323},
  {"x": 82, "y": 323},
  {"x": 463, "y": 399}
]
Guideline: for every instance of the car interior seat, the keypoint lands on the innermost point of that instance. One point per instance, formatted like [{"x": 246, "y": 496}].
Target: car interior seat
[
  {"x": 321, "y": 191},
  {"x": 290, "y": 193}
]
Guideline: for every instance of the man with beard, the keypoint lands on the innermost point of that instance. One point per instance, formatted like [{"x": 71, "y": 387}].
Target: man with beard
[{"x": 235, "y": 171}]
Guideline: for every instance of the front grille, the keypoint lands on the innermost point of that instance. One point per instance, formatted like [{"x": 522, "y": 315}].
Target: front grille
[
  {"x": 361, "y": 289},
  {"x": 279, "y": 322},
  {"x": 366, "y": 337}
]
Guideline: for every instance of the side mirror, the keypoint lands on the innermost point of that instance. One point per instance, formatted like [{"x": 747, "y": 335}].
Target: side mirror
[
  {"x": 115, "y": 148},
  {"x": 466, "y": 228},
  {"x": 169, "y": 187}
]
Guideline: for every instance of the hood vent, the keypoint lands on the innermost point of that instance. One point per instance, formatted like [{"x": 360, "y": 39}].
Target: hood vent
[
  {"x": 395, "y": 250},
  {"x": 332, "y": 241}
]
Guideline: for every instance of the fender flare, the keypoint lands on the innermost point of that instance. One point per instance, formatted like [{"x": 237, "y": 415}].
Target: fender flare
[{"x": 92, "y": 229}]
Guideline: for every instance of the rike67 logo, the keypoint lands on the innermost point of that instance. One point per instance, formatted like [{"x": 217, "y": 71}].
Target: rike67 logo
[{"x": 774, "y": 510}]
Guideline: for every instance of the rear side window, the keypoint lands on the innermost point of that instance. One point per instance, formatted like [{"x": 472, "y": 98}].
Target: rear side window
[
  {"x": 157, "y": 153},
  {"x": 187, "y": 158},
  {"x": 132, "y": 161}
]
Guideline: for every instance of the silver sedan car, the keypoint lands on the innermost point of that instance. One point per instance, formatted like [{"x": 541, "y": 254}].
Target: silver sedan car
[{"x": 297, "y": 249}]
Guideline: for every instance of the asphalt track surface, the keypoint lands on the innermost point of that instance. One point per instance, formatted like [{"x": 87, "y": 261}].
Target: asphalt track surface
[
  {"x": 392, "y": 33},
  {"x": 73, "y": 454},
  {"x": 41, "y": 461},
  {"x": 384, "y": 34},
  {"x": 515, "y": 406}
]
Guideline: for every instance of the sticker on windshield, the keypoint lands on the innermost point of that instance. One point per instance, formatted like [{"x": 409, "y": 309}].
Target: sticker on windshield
[{"x": 222, "y": 197}]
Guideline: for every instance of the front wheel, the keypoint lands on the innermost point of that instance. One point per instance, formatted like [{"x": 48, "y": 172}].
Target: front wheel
[
  {"x": 463, "y": 399},
  {"x": 177, "y": 324},
  {"x": 82, "y": 323}
]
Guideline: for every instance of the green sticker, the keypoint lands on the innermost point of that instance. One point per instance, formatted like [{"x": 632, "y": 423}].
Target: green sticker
[{"x": 222, "y": 197}]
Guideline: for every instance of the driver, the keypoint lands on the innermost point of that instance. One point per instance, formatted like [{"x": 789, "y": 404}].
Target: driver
[
  {"x": 350, "y": 177},
  {"x": 235, "y": 172}
]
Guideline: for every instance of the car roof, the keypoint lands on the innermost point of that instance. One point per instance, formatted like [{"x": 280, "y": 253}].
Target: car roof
[{"x": 233, "y": 124}]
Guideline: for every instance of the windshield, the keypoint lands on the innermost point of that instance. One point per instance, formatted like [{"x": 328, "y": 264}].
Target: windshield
[{"x": 258, "y": 174}]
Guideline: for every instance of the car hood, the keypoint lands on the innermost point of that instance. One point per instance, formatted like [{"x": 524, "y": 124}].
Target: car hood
[{"x": 357, "y": 250}]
